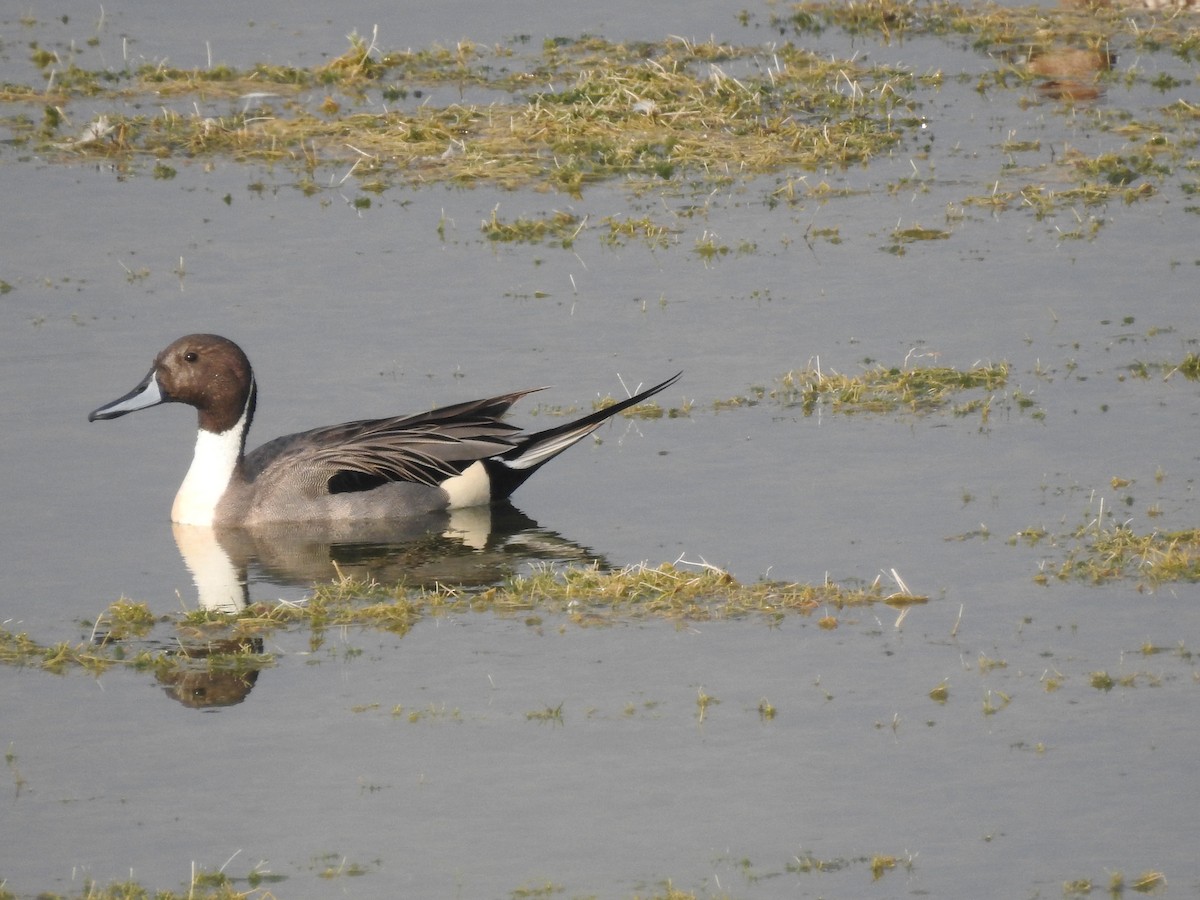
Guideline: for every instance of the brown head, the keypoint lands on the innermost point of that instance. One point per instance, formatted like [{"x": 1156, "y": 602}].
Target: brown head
[{"x": 206, "y": 371}]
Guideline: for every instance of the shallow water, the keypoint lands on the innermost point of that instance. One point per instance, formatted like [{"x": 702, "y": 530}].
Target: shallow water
[{"x": 1007, "y": 789}]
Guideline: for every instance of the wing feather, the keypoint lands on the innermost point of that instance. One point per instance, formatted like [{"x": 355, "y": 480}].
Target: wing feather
[{"x": 426, "y": 448}]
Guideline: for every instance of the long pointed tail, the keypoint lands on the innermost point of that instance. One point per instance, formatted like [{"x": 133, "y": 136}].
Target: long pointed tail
[{"x": 509, "y": 470}]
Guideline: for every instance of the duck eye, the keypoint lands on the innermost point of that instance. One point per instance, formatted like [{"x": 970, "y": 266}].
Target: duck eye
[{"x": 191, "y": 356}]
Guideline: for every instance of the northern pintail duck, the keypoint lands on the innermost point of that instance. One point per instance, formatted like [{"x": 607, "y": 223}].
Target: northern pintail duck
[{"x": 456, "y": 456}]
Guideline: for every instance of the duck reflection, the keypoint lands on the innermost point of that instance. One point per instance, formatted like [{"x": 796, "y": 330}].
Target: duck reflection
[
  {"x": 1070, "y": 74},
  {"x": 468, "y": 547},
  {"x": 205, "y": 688}
]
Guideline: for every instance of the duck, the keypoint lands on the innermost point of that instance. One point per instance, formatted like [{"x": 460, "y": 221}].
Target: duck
[{"x": 453, "y": 457}]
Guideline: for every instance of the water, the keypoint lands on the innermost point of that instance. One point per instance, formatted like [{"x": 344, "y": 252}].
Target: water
[{"x": 322, "y": 769}]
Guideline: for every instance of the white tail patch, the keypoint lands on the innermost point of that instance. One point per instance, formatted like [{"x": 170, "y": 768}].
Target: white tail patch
[{"x": 472, "y": 488}]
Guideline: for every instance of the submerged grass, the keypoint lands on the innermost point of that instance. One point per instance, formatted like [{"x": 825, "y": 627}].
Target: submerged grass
[
  {"x": 1014, "y": 34},
  {"x": 224, "y": 651},
  {"x": 204, "y": 886},
  {"x": 1189, "y": 368},
  {"x": 1113, "y": 553},
  {"x": 591, "y": 596},
  {"x": 581, "y": 111},
  {"x": 1106, "y": 548},
  {"x": 561, "y": 227},
  {"x": 229, "y": 647},
  {"x": 588, "y": 595},
  {"x": 882, "y": 389},
  {"x": 673, "y": 115},
  {"x": 20, "y": 649}
]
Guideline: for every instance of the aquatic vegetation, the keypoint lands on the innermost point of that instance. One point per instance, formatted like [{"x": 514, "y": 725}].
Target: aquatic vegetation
[
  {"x": 994, "y": 702},
  {"x": 432, "y": 712},
  {"x": 204, "y": 886},
  {"x": 675, "y": 116},
  {"x": 1147, "y": 882},
  {"x": 591, "y": 596},
  {"x": 886, "y": 389},
  {"x": 581, "y": 111},
  {"x": 21, "y": 650},
  {"x": 879, "y": 864},
  {"x": 914, "y": 233},
  {"x": 562, "y": 227},
  {"x": 550, "y": 714},
  {"x": 218, "y": 650},
  {"x": 1063, "y": 54},
  {"x": 1112, "y": 553},
  {"x": 124, "y": 618},
  {"x": 334, "y": 865},
  {"x": 1106, "y": 547},
  {"x": 651, "y": 409},
  {"x": 1189, "y": 368},
  {"x": 622, "y": 229},
  {"x": 214, "y": 651},
  {"x": 532, "y": 892},
  {"x": 1021, "y": 31}
]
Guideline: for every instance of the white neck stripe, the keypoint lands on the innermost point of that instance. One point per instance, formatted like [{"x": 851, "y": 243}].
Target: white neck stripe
[{"x": 207, "y": 479}]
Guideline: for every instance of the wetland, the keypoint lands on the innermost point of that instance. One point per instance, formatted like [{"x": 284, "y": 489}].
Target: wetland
[{"x": 891, "y": 595}]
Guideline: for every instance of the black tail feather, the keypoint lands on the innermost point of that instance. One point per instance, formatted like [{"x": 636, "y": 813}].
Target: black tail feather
[{"x": 508, "y": 471}]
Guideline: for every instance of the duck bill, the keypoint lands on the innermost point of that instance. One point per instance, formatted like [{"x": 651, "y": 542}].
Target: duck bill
[{"x": 146, "y": 394}]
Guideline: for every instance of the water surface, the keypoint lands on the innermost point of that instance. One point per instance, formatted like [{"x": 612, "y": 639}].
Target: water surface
[{"x": 377, "y": 763}]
